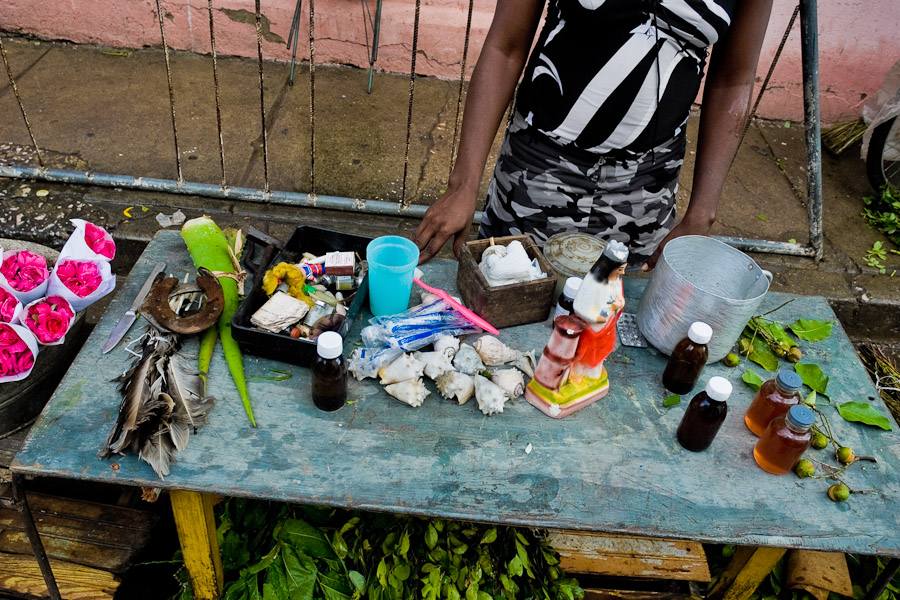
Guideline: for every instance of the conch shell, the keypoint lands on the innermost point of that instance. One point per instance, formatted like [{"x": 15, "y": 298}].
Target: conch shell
[
  {"x": 454, "y": 384},
  {"x": 490, "y": 396},
  {"x": 511, "y": 381},
  {"x": 467, "y": 360},
  {"x": 436, "y": 363},
  {"x": 494, "y": 352},
  {"x": 402, "y": 368},
  {"x": 447, "y": 344},
  {"x": 411, "y": 392},
  {"x": 526, "y": 363}
]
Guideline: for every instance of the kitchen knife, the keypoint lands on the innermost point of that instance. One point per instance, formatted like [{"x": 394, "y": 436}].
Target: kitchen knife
[{"x": 130, "y": 315}]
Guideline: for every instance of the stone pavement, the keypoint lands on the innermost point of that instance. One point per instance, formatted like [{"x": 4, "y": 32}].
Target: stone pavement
[{"x": 108, "y": 111}]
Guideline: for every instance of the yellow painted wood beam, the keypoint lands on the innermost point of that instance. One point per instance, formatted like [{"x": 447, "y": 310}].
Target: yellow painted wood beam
[
  {"x": 748, "y": 567},
  {"x": 196, "y": 526}
]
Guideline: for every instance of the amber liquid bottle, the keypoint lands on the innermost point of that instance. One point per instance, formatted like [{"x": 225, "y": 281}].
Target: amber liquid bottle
[
  {"x": 785, "y": 440},
  {"x": 564, "y": 304},
  {"x": 688, "y": 359},
  {"x": 704, "y": 415},
  {"x": 329, "y": 372},
  {"x": 774, "y": 398}
]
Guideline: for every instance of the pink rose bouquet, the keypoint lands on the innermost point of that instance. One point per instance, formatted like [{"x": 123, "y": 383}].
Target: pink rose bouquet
[
  {"x": 49, "y": 319},
  {"x": 18, "y": 349},
  {"x": 99, "y": 240},
  {"x": 81, "y": 281},
  {"x": 26, "y": 273},
  {"x": 80, "y": 277},
  {"x": 89, "y": 242},
  {"x": 9, "y": 305}
]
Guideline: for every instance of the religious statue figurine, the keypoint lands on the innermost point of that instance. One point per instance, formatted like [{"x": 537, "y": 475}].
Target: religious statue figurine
[{"x": 570, "y": 374}]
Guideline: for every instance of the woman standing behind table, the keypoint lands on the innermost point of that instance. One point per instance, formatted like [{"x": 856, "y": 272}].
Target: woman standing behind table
[{"x": 597, "y": 138}]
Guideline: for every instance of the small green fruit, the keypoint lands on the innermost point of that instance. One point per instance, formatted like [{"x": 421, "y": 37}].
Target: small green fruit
[
  {"x": 779, "y": 351},
  {"x": 819, "y": 440},
  {"x": 731, "y": 359},
  {"x": 744, "y": 347},
  {"x": 845, "y": 455},
  {"x": 839, "y": 492},
  {"x": 804, "y": 468},
  {"x": 794, "y": 354}
]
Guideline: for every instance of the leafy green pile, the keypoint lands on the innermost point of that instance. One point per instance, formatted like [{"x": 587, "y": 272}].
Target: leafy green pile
[
  {"x": 282, "y": 552},
  {"x": 882, "y": 212}
]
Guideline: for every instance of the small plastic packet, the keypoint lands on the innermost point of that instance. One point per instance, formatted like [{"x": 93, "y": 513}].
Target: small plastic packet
[{"x": 365, "y": 362}]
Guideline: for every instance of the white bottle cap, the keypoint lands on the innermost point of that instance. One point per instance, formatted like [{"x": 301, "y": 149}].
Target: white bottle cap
[
  {"x": 571, "y": 287},
  {"x": 700, "y": 332},
  {"x": 330, "y": 345},
  {"x": 718, "y": 388}
]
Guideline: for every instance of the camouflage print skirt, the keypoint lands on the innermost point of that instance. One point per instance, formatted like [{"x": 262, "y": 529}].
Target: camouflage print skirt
[{"x": 540, "y": 188}]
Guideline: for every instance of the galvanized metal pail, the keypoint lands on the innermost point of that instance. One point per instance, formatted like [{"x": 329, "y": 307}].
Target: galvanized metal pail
[{"x": 698, "y": 278}]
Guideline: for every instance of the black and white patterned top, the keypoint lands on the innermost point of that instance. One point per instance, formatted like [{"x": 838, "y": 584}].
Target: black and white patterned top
[{"x": 602, "y": 69}]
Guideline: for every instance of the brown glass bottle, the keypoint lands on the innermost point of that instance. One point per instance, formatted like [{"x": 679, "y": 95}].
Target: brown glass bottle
[
  {"x": 774, "y": 398},
  {"x": 784, "y": 440},
  {"x": 687, "y": 359},
  {"x": 564, "y": 304},
  {"x": 704, "y": 415},
  {"x": 329, "y": 373}
]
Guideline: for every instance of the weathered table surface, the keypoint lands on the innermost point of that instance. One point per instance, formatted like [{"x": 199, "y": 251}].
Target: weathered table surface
[{"x": 613, "y": 467}]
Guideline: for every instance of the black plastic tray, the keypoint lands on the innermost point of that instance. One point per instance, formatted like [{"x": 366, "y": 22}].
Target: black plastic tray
[{"x": 279, "y": 346}]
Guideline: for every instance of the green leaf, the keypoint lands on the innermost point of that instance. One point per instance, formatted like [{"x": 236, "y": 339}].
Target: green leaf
[
  {"x": 812, "y": 376},
  {"x": 762, "y": 217},
  {"x": 670, "y": 401},
  {"x": 334, "y": 586},
  {"x": 404, "y": 545},
  {"x": 514, "y": 567},
  {"x": 811, "y": 330},
  {"x": 300, "y": 574},
  {"x": 752, "y": 379},
  {"x": 304, "y": 537},
  {"x": 777, "y": 331},
  {"x": 489, "y": 536},
  {"x": 811, "y": 399},
  {"x": 401, "y": 572},
  {"x": 381, "y": 573},
  {"x": 762, "y": 355},
  {"x": 431, "y": 536},
  {"x": 358, "y": 580},
  {"x": 339, "y": 545},
  {"x": 863, "y": 413}
]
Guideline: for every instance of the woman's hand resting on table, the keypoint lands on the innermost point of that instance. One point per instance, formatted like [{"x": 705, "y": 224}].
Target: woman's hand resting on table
[{"x": 449, "y": 217}]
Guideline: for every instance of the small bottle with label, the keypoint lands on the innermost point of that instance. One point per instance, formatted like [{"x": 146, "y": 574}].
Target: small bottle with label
[
  {"x": 688, "y": 359},
  {"x": 785, "y": 440},
  {"x": 774, "y": 397},
  {"x": 564, "y": 304},
  {"x": 329, "y": 372},
  {"x": 704, "y": 415}
]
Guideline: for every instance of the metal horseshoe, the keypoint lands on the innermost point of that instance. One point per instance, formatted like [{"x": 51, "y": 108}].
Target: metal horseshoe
[{"x": 162, "y": 313}]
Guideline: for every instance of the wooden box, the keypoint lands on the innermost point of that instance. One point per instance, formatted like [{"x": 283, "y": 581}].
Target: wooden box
[{"x": 505, "y": 305}]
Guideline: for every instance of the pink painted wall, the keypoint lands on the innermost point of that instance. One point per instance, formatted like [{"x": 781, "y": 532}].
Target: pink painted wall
[{"x": 858, "y": 39}]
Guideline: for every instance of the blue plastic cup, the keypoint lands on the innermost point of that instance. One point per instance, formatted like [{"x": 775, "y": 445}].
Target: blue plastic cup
[{"x": 392, "y": 262}]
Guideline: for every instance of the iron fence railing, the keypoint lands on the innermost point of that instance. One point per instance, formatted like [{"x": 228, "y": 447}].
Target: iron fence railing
[{"x": 809, "y": 48}]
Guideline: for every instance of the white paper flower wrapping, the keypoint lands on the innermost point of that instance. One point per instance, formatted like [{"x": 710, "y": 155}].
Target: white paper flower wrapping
[
  {"x": 58, "y": 288},
  {"x": 26, "y": 336},
  {"x": 6, "y": 293},
  {"x": 24, "y": 297},
  {"x": 33, "y": 327},
  {"x": 86, "y": 234}
]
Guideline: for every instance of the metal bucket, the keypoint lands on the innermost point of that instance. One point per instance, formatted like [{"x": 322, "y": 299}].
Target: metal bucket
[{"x": 698, "y": 278}]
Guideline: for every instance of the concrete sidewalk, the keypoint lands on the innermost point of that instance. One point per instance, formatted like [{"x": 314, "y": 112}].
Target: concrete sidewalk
[{"x": 108, "y": 112}]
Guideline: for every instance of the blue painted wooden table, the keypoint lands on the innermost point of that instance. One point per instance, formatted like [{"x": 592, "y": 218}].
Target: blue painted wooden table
[{"x": 613, "y": 467}]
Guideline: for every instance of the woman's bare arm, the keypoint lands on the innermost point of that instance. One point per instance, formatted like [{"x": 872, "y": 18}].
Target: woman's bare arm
[{"x": 493, "y": 81}]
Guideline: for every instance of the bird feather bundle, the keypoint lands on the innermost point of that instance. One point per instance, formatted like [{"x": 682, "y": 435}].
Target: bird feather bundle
[{"x": 163, "y": 399}]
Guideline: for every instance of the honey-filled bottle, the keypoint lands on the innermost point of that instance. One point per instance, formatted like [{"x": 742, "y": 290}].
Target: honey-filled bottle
[
  {"x": 329, "y": 372},
  {"x": 774, "y": 398},
  {"x": 688, "y": 359},
  {"x": 785, "y": 440},
  {"x": 704, "y": 415}
]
